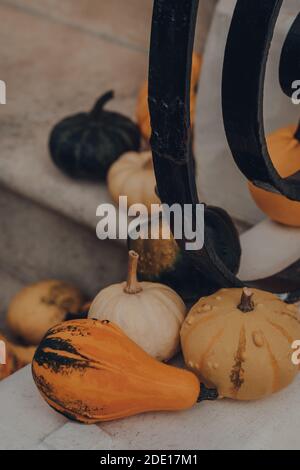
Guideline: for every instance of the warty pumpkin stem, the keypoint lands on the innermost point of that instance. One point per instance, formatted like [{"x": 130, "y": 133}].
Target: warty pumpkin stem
[
  {"x": 97, "y": 109},
  {"x": 149, "y": 164},
  {"x": 207, "y": 394},
  {"x": 132, "y": 285},
  {"x": 297, "y": 133},
  {"x": 247, "y": 304}
]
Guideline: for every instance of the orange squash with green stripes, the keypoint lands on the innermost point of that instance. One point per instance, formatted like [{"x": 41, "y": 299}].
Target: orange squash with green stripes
[
  {"x": 240, "y": 342},
  {"x": 90, "y": 371}
]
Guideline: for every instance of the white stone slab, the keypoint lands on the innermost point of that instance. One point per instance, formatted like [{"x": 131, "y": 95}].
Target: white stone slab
[
  {"x": 75, "y": 436},
  {"x": 273, "y": 423},
  {"x": 268, "y": 248},
  {"x": 25, "y": 419}
]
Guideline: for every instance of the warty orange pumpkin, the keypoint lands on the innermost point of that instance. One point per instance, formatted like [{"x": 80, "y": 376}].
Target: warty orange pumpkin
[
  {"x": 91, "y": 371},
  {"x": 284, "y": 150},
  {"x": 240, "y": 342}
]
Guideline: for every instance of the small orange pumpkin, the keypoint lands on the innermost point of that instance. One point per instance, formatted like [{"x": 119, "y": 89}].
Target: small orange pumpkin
[
  {"x": 241, "y": 342},
  {"x": 91, "y": 371},
  {"x": 142, "y": 110},
  {"x": 284, "y": 149}
]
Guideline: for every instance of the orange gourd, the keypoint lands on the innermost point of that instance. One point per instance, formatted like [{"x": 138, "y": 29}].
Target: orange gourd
[
  {"x": 142, "y": 111},
  {"x": 91, "y": 371},
  {"x": 241, "y": 342},
  {"x": 284, "y": 149}
]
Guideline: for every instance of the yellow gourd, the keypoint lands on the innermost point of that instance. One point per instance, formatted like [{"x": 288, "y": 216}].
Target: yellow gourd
[
  {"x": 133, "y": 176},
  {"x": 91, "y": 371},
  {"x": 38, "y": 307},
  {"x": 151, "y": 314},
  {"x": 284, "y": 149},
  {"x": 241, "y": 342}
]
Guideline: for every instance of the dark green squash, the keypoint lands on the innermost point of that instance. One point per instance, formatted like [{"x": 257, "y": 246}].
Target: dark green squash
[{"x": 86, "y": 144}]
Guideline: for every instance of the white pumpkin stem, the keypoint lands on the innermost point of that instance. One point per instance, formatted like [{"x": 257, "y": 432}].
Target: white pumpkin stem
[
  {"x": 149, "y": 164},
  {"x": 247, "y": 304},
  {"x": 132, "y": 285}
]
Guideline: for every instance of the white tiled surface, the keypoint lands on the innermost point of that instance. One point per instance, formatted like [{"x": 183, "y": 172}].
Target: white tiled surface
[
  {"x": 71, "y": 436},
  {"x": 25, "y": 418},
  {"x": 28, "y": 423}
]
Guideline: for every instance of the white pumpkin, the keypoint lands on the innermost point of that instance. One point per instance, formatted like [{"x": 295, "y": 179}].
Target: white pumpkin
[
  {"x": 132, "y": 175},
  {"x": 150, "y": 314}
]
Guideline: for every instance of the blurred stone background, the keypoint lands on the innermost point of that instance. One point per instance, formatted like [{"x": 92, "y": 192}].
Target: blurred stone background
[{"x": 57, "y": 57}]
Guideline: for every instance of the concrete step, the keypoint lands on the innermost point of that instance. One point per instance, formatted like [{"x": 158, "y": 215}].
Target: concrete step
[
  {"x": 10, "y": 285},
  {"x": 39, "y": 244},
  {"x": 59, "y": 57},
  {"x": 61, "y": 70},
  {"x": 51, "y": 70},
  {"x": 126, "y": 24}
]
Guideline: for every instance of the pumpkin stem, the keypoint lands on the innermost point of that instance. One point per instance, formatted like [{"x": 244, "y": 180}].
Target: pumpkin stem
[
  {"x": 76, "y": 316},
  {"x": 297, "y": 133},
  {"x": 132, "y": 285},
  {"x": 207, "y": 393},
  {"x": 247, "y": 304},
  {"x": 97, "y": 109},
  {"x": 149, "y": 164}
]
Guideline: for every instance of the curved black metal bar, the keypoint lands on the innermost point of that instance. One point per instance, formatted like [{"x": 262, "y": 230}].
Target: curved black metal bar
[
  {"x": 172, "y": 39},
  {"x": 246, "y": 53},
  {"x": 289, "y": 68}
]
